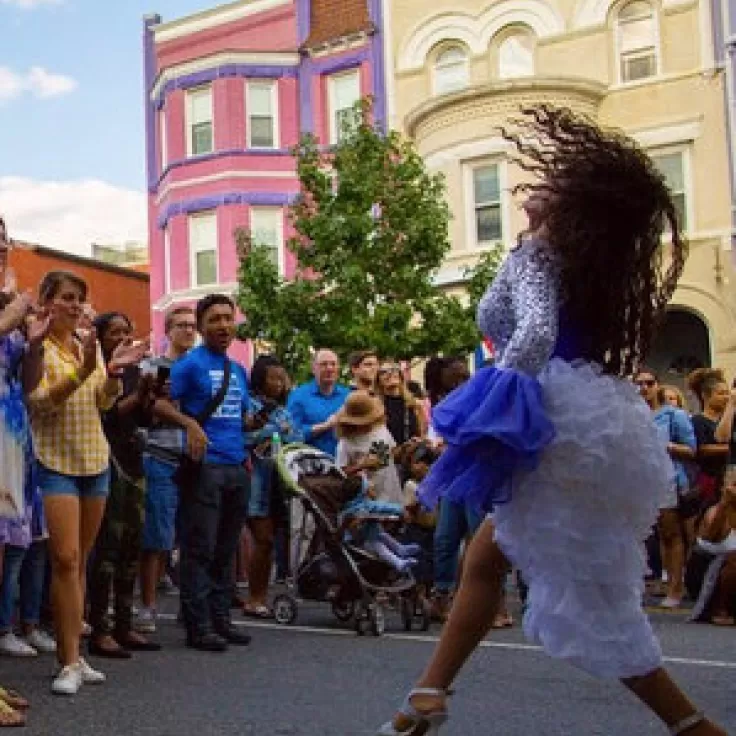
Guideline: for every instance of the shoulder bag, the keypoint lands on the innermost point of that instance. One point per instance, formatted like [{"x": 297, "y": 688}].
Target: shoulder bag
[{"x": 189, "y": 470}]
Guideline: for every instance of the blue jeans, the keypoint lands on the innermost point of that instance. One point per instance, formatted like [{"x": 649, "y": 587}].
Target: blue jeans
[
  {"x": 162, "y": 502},
  {"x": 212, "y": 518},
  {"x": 24, "y": 571},
  {"x": 456, "y": 521}
]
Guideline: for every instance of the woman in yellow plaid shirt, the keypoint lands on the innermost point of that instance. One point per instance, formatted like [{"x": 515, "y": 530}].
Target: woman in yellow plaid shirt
[{"x": 73, "y": 457}]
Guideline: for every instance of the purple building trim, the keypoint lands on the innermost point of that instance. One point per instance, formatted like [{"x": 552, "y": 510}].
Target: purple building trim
[
  {"x": 303, "y": 20},
  {"x": 149, "y": 75},
  {"x": 349, "y": 61},
  {"x": 306, "y": 112},
  {"x": 375, "y": 9},
  {"x": 223, "y": 72},
  {"x": 201, "y": 204},
  {"x": 248, "y": 152}
]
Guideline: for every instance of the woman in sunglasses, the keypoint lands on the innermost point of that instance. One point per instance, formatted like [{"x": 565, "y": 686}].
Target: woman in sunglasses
[
  {"x": 404, "y": 415},
  {"x": 676, "y": 430}
]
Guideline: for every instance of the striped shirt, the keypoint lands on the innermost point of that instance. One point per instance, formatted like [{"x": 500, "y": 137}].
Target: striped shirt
[{"x": 68, "y": 436}]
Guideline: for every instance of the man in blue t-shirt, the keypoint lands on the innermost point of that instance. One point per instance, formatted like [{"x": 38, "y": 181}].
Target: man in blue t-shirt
[
  {"x": 314, "y": 405},
  {"x": 212, "y": 507}
]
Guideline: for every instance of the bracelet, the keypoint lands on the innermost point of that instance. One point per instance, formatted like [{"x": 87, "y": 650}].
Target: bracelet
[{"x": 73, "y": 376}]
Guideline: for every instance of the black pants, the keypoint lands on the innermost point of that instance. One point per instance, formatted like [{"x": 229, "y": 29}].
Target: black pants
[
  {"x": 115, "y": 557},
  {"x": 212, "y": 515}
]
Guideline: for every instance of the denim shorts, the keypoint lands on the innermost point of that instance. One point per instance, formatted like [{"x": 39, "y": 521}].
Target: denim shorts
[
  {"x": 52, "y": 483},
  {"x": 162, "y": 503}
]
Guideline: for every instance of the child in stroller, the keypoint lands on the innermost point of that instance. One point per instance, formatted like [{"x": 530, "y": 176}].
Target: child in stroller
[
  {"x": 328, "y": 567},
  {"x": 361, "y": 520}
]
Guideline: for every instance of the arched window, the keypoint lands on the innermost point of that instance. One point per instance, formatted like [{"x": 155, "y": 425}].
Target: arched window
[
  {"x": 451, "y": 70},
  {"x": 637, "y": 41},
  {"x": 516, "y": 55}
]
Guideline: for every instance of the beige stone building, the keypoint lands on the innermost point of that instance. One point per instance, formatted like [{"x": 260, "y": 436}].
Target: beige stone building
[{"x": 458, "y": 68}]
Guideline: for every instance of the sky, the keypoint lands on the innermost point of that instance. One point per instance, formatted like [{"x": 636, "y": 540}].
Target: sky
[{"x": 72, "y": 143}]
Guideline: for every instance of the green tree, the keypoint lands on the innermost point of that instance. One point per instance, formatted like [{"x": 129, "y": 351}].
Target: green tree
[{"x": 371, "y": 235}]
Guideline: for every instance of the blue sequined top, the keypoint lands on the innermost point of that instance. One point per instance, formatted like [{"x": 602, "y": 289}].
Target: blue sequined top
[{"x": 521, "y": 312}]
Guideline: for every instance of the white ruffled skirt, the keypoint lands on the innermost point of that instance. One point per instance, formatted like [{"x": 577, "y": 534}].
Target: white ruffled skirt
[{"x": 575, "y": 525}]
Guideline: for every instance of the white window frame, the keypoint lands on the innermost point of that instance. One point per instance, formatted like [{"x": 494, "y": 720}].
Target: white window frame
[
  {"x": 471, "y": 230},
  {"x": 466, "y": 68},
  {"x": 163, "y": 138},
  {"x": 191, "y": 93},
  {"x": 167, "y": 260},
  {"x": 194, "y": 249},
  {"x": 685, "y": 152},
  {"x": 273, "y": 86},
  {"x": 517, "y": 34},
  {"x": 278, "y": 213},
  {"x": 332, "y": 111},
  {"x": 657, "y": 47}
]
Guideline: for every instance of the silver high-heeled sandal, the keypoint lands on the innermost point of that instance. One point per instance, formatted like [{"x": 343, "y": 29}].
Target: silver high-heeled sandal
[
  {"x": 687, "y": 723},
  {"x": 422, "y": 724}
]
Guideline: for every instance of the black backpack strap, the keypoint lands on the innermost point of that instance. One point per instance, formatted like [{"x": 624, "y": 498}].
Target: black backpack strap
[{"x": 214, "y": 403}]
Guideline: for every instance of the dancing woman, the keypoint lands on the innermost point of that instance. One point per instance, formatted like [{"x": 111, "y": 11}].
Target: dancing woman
[{"x": 552, "y": 438}]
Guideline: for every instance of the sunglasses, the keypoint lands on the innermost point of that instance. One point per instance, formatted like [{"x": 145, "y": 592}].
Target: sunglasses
[
  {"x": 647, "y": 383},
  {"x": 390, "y": 368}
]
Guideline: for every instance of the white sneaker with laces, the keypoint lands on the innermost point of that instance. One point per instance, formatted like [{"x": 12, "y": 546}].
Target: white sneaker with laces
[
  {"x": 14, "y": 646},
  {"x": 90, "y": 676},
  {"x": 68, "y": 681},
  {"x": 41, "y": 641}
]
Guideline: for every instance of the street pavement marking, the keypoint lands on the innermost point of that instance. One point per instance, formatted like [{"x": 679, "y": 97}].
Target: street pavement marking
[{"x": 426, "y": 639}]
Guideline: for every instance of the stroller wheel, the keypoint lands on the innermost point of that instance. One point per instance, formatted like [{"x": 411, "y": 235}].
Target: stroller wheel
[
  {"x": 284, "y": 610},
  {"x": 343, "y": 611},
  {"x": 377, "y": 619},
  {"x": 407, "y": 612}
]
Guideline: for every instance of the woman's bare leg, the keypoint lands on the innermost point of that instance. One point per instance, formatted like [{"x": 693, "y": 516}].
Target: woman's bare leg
[
  {"x": 476, "y": 603},
  {"x": 660, "y": 693},
  {"x": 62, "y": 518}
]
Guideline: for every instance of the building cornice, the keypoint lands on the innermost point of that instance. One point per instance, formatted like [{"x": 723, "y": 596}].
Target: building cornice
[
  {"x": 244, "y": 71},
  {"x": 534, "y": 86},
  {"x": 213, "y": 201},
  {"x": 218, "y": 62},
  {"x": 212, "y": 18}
]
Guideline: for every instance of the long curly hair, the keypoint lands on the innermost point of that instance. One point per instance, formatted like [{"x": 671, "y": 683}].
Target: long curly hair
[{"x": 606, "y": 210}]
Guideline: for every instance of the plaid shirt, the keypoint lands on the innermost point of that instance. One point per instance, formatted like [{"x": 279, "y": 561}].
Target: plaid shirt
[{"x": 68, "y": 436}]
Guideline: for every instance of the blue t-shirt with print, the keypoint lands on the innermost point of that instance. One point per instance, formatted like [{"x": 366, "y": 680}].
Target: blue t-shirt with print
[{"x": 195, "y": 379}]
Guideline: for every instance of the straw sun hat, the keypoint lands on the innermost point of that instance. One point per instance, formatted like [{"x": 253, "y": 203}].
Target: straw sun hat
[{"x": 361, "y": 410}]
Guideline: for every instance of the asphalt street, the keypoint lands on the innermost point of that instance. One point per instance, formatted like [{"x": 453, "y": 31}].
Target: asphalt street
[{"x": 318, "y": 678}]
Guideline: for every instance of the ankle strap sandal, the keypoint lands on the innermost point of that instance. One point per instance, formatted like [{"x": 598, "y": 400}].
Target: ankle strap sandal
[
  {"x": 418, "y": 723},
  {"x": 687, "y": 723}
]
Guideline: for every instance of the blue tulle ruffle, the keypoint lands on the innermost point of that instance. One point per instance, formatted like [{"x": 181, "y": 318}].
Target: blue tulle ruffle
[{"x": 493, "y": 425}]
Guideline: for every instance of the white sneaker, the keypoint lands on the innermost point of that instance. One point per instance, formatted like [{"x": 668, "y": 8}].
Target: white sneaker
[
  {"x": 145, "y": 622},
  {"x": 68, "y": 681},
  {"x": 41, "y": 641},
  {"x": 14, "y": 646},
  {"x": 90, "y": 676}
]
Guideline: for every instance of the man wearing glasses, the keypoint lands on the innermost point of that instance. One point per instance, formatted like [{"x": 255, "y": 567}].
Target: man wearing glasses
[{"x": 162, "y": 494}]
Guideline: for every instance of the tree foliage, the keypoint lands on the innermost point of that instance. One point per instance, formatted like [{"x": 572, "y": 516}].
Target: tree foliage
[{"x": 371, "y": 236}]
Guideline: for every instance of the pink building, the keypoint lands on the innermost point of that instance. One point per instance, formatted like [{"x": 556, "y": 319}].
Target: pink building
[{"x": 228, "y": 93}]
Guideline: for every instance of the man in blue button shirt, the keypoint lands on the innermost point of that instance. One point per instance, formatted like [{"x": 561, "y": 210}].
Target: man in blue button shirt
[
  {"x": 213, "y": 505},
  {"x": 314, "y": 405}
]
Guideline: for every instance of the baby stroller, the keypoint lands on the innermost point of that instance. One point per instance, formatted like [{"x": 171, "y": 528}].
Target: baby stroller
[{"x": 327, "y": 568}]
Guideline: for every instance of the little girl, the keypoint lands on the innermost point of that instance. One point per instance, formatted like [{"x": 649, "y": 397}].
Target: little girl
[{"x": 366, "y": 445}]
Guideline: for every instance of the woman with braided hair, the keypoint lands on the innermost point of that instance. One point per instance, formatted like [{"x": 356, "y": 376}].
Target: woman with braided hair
[{"x": 553, "y": 439}]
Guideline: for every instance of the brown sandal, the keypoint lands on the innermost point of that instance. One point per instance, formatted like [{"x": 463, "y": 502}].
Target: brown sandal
[
  {"x": 10, "y": 718},
  {"x": 14, "y": 699}
]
